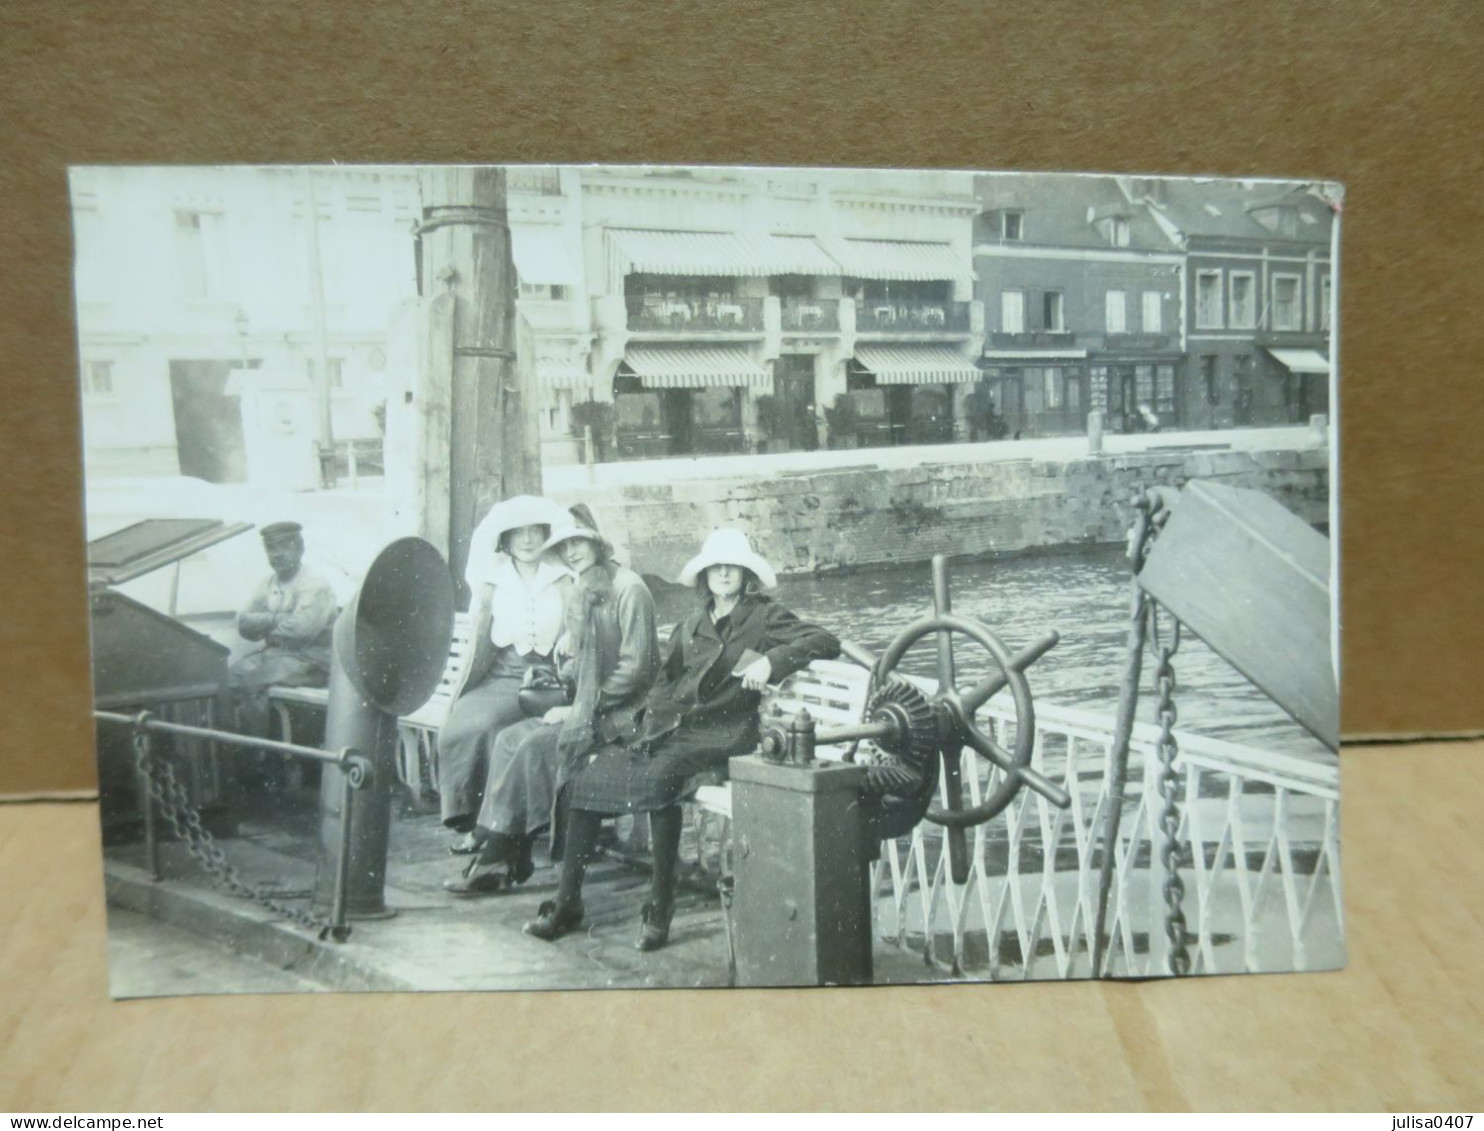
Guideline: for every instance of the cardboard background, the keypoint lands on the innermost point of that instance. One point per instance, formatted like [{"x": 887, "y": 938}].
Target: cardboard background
[{"x": 1382, "y": 96}]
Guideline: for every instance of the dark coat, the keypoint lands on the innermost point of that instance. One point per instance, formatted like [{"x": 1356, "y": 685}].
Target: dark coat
[{"x": 698, "y": 714}]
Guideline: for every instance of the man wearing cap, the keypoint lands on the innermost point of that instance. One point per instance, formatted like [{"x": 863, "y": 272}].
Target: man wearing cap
[{"x": 292, "y": 612}]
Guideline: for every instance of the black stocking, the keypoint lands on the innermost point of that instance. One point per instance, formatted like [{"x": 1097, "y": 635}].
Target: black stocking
[
  {"x": 581, "y": 844},
  {"x": 664, "y": 833}
]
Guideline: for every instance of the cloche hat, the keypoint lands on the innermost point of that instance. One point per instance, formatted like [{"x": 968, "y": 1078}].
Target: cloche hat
[
  {"x": 572, "y": 526},
  {"x": 726, "y": 546}
]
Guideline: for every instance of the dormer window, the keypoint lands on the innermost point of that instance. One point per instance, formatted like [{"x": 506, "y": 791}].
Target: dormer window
[
  {"x": 1012, "y": 225},
  {"x": 1114, "y": 229}
]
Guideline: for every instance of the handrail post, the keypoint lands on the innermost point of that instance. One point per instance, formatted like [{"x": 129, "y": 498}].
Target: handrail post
[
  {"x": 351, "y": 779},
  {"x": 147, "y": 798}
]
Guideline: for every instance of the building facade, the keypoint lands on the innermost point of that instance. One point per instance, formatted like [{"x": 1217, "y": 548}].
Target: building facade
[
  {"x": 1082, "y": 293},
  {"x": 1258, "y": 297},
  {"x": 200, "y": 330},
  {"x": 709, "y": 311}
]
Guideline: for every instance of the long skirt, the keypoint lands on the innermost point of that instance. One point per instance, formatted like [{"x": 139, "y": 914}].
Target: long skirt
[
  {"x": 640, "y": 779},
  {"x": 467, "y": 738},
  {"x": 521, "y": 787}
]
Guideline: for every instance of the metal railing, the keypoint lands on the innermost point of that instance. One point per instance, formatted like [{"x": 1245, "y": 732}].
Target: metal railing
[
  {"x": 886, "y": 315},
  {"x": 1260, "y": 863},
  {"x": 160, "y": 788},
  {"x": 688, "y": 315},
  {"x": 805, "y": 316}
]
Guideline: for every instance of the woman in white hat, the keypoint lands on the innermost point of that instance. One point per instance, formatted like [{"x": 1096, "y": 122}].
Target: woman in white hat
[
  {"x": 702, "y": 710},
  {"x": 610, "y": 655},
  {"x": 519, "y": 597}
]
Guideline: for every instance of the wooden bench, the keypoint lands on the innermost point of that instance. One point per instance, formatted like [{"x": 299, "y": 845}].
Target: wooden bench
[
  {"x": 834, "y": 693},
  {"x": 417, "y": 732}
]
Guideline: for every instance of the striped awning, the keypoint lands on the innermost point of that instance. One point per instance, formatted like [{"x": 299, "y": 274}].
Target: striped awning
[
  {"x": 916, "y": 365},
  {"x": 541, "y": 258},
  {"x": 682, "y": 368},
  {"x": 728, "y": 254},
  {"x": 1035, "y": 355},
  {"x": 555, "y": 374},
  {"x": 900, "y": 259},
  {"x": 1302, "y": 361}
]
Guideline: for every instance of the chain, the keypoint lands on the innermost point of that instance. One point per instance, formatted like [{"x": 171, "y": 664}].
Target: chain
[
  {"x": 1170, "y": 785},
  {"x": 175, "y": 804}
]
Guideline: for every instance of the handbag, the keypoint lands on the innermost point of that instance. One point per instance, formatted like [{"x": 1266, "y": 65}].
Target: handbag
[{"x": 541, "y": 691}]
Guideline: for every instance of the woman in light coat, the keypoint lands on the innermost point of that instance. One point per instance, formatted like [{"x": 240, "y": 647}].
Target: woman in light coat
[
  {"x": 611, "y": 655},
  {"x": 520, "y": 600}
]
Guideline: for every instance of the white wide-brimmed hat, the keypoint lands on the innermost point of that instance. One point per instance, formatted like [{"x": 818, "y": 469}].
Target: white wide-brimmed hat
[
  {"x": 725, "y": 546},
  {"x": 506, "y": 515}
]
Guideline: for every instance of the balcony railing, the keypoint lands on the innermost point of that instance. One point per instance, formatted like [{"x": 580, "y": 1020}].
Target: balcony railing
[
  {"x": 884, "y": 315},
  {"x": 1140, "y": 341},
  {"x": 803, "y": 316},
  {"x": 1032, "y": 339},
  {"x": 687, "y": 315}
]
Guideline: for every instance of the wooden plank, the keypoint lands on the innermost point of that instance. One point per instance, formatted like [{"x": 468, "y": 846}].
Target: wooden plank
[{"x": 1251, "y": 579}]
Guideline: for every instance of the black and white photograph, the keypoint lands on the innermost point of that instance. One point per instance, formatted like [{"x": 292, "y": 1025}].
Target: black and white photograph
[{"x": 582, "y": 577}]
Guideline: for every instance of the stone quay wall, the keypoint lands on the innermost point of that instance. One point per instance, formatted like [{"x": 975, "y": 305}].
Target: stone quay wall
[{"x": 816, "y": 522}]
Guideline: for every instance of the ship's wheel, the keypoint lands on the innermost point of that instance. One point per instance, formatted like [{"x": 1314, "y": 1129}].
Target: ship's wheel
[{"x": 925, "y": 733}]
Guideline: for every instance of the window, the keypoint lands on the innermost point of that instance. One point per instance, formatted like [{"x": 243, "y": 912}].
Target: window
[
  {"x": 1287, "y": 314},
  {"x": 1098, "y": 389},
  {"x": 1208, "y": 300},
  {"x": 1144, "y": 384},
  {"x": 1115, "y": 304},
  {"x": 1153, "y": 312},
  {"x": 555, "y": 292},
  {"x": 1244, "y": 300},
  {"x": 1118, "y": 232},
  {"x": 1325, "y": 299},
  {"x": 1052, "y": 308},
  {"x": 1012, "y": 312},
  {"x": 1164, "y": 390},
  {"x": 1012, "y": 225},
  {"x": 97, "y": 378},
  {"x": 1055, "y": 388},
  {"x": 336, "y": 371},
  {"x": 1208, "y": 379},
  {"x": 190, "y": 255}
]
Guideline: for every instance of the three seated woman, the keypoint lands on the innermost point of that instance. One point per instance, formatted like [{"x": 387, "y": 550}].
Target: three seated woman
[{"x": 638, "y": 728}]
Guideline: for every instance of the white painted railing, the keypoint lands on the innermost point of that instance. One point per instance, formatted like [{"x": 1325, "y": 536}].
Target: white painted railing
[{"x": 1261, "y": 863}]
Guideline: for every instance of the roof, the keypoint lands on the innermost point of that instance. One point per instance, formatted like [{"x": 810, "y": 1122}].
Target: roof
[
  {"x": 1225, "y": 209},
  {"x": 1059, "y": 210}
]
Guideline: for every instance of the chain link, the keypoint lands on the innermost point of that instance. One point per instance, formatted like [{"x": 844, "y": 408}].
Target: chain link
[
  {"x": 1171, "y": 784},
  {"x": 175, "y": 804}
]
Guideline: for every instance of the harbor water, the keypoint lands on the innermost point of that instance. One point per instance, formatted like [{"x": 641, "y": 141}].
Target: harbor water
[{"x": 1082, "y": 594}]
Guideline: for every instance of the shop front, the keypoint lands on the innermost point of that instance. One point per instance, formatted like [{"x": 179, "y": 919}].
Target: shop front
[
  {"x": 1306, "y": 382},
  {"x": 905, "y": 394},
  {"x": 683, "y": 401},
  {"x": 1046, "y": 393}
]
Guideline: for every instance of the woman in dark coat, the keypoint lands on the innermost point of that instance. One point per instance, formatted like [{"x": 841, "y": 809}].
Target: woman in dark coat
[
  {"x": 612, "y": 654},
  {"x": 702, "y": 711}
]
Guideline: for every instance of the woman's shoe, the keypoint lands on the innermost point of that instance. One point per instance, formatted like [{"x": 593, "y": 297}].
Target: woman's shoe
[
  {"x": 479, "y": 879},
  {"x": 466, "y": 845},
  {"x": 654, "y": 926},
  {"x": 553, "y": 921}
]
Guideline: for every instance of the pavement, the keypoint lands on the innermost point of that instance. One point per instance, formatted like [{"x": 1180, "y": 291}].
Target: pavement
[{"x": 433, "y": 941}]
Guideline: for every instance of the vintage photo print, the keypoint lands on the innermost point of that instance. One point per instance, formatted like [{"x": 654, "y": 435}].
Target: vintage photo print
[{"x": 609, "y": 577}]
